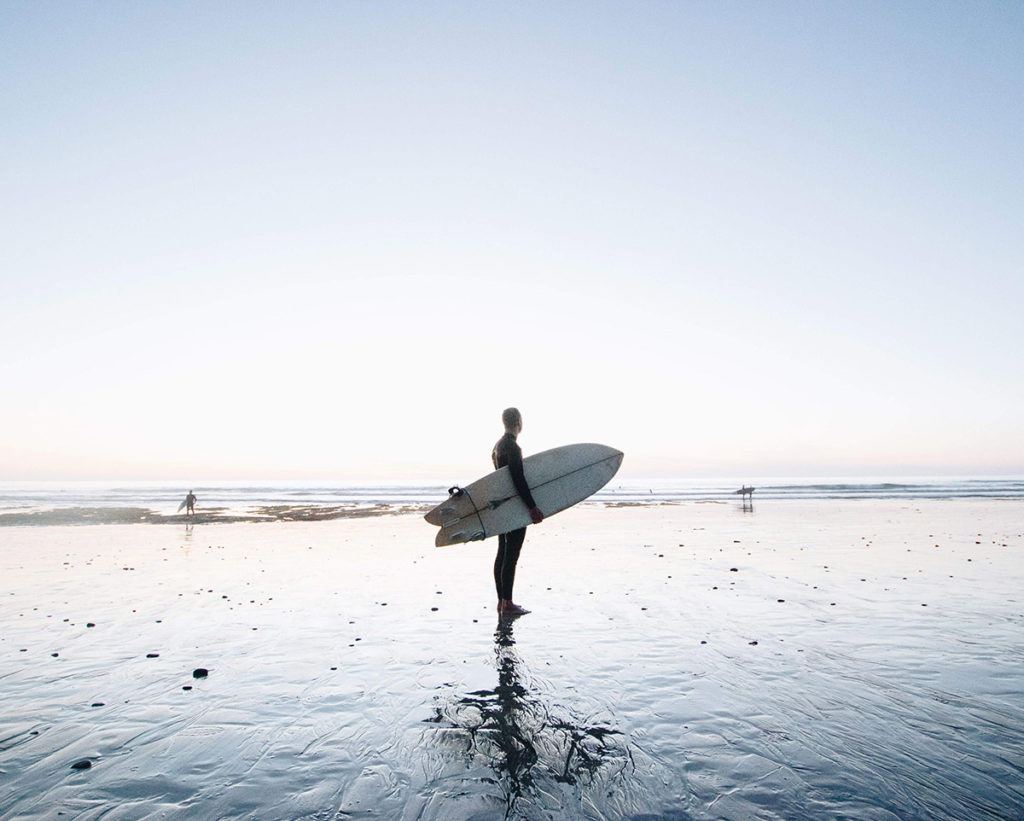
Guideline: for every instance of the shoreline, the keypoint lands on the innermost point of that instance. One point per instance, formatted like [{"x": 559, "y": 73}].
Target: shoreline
[
  {"x": 219, "y": 515},
  {"x": 269, "y": 513}
]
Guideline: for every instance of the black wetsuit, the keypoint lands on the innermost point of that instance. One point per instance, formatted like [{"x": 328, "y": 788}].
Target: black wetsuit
[{"x": 507, "y": 453}]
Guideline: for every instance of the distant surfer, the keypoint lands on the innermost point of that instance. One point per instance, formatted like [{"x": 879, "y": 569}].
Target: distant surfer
[
  {"x": 747, "y": 491},
  {"x": 190, "y": 504},
  {"x": 507, "y": 453}
]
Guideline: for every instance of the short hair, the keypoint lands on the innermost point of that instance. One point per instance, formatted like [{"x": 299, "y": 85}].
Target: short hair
[{"x": 510, "y": 417}]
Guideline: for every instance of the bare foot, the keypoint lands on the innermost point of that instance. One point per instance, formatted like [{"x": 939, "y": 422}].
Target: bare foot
[{"x": 506, "y": 607}]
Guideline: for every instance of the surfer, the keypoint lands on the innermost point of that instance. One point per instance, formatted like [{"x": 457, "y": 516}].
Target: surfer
[
  {"x": 190, "y": 504},
  {"x": 507, "y": 453}
]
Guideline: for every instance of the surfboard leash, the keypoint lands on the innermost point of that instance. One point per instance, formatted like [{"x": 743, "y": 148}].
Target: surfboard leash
[{"x": 456, "y": 491}]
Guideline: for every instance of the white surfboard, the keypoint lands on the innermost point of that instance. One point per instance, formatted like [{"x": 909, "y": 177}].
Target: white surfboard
[
  {"x": 558, "y": 478},
  {"x": 182, "y": 505}
]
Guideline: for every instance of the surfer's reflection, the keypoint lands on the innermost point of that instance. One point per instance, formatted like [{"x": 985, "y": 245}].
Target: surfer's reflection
[{"x": 523, "y": 739}]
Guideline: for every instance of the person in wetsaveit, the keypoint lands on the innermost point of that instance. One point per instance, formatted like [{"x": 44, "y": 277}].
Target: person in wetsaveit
[{"x": 507, "y": 453}]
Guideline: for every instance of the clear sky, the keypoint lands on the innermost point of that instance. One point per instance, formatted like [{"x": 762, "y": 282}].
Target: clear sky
[{"x": 335, "y": 239}]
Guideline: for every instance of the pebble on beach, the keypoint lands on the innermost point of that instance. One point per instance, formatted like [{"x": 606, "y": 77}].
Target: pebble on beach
[
  {"x": 84, "y": 764},
  {"x": 200, "y": 672}
]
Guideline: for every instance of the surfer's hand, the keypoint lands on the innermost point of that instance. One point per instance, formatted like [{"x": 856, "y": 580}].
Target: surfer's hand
[{"x": 536, "y": 516}]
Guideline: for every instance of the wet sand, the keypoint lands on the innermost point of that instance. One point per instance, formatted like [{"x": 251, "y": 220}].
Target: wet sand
[
  {"x": 804, "y": 660},
  {"x": 205, "y": 515}
]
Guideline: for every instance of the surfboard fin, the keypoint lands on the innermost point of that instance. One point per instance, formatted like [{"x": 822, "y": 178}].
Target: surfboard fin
[{"x": 475, "y": 536}]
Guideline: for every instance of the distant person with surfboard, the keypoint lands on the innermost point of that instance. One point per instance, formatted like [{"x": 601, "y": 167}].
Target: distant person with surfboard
[
  {"x": 507, "y": 453},
  {"x": 190, "y": 504}
]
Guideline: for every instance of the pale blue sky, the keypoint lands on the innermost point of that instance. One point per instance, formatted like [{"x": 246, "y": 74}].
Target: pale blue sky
[{"x": 334, "y": 240}]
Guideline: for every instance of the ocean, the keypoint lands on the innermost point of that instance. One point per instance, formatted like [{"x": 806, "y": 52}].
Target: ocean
[{"x": 104, "y": 502}]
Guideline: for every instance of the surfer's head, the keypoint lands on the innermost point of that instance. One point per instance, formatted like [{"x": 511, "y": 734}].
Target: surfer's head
[{"x": 512, "y": 419}]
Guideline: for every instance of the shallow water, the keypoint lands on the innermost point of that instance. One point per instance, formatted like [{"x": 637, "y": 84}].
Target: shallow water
[{"x": 652, "y": 681}]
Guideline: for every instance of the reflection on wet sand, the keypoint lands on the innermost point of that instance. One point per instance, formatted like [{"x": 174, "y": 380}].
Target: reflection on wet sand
[{"x": 534, "y": 748}]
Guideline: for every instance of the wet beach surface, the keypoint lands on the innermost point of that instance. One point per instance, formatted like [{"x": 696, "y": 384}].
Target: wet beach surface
[{"x": 805, "y": 659}]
